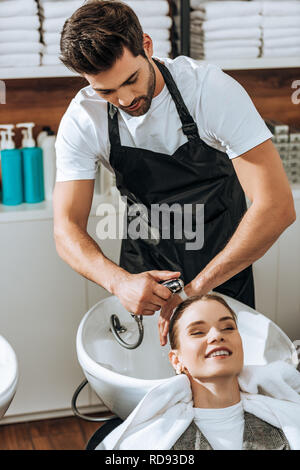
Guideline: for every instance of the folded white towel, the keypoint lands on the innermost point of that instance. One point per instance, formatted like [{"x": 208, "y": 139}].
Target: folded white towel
[
  {"x": 166, "y": 411},
  {"x": 20, "y": 47},
  {"x": 52, "y": 49},
  {"x": 217, "y": 9},
  {"x": 146, "y": 7},
  {"x": 281, "y": 8},
  {"x": 280, "y": 21},
  {"x": 155, "y": 22},
  {"x": 54, "y": 25},
  {"x": 225, "y": 53},
  {"x": 20, "y": 60},
  {"x": 281, "y": 52},
  {"x": 20, "y": 22},
  {"x": 50, "y": 59},
  {"x": 227, "y": 23},
  {"x": 159, "y": 34},
  {"x": 18, "y": 8},
  {"x": 60, "y": 9},
  {"x": 207, "y": 45},
  {"x": 51, "y": 38},
  {"x": 240, "y": 33},
  {"x": 19, "y": 35},
  {"x": 280, "y": 32},
  {"x": 281, "y": 42}
]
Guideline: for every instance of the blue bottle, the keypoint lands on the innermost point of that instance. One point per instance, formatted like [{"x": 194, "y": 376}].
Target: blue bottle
[
  {"x": 12, "y": 170},
  {"x": 32, "y": 166}
]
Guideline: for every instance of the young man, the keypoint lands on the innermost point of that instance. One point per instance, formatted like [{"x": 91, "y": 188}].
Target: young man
[{"x": 173, "y": 132}]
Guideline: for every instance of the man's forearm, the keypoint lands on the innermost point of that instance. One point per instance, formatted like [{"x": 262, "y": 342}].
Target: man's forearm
[
  {"x": 81, "y": 252},
  {"x": 256, "y": 233}
]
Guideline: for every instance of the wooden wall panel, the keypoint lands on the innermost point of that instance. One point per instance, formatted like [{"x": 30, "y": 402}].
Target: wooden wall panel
[{"x": 44, "y": 101}]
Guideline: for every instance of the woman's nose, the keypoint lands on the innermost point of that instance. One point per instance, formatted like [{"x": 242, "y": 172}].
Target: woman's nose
[{"x": 214, "y": 335}]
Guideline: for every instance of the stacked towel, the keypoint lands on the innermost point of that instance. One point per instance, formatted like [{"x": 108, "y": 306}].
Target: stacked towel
[
  {"x": 225, "y": 30},
  {"x": 54, "y": 14},
  {"x": 19, "y": 33},
  {"x": 155, "y": 21},
  {"x": 153, "y": 15},
  {"x": 281, "y": 29}
]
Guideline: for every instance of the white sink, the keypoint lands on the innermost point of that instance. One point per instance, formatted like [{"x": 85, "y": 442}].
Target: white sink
[{"x": 8, "y": 375}]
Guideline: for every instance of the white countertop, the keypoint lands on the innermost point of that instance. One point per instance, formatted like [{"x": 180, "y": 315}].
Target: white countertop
[{"x": 44, "y": 211}]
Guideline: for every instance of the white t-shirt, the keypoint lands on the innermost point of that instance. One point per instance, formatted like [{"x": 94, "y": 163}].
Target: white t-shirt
[
  {"x": 222, "y": 427},
  {"x": 223, "y": 111}
]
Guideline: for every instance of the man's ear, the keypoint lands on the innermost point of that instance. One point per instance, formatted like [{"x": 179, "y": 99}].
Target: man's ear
[{"x": 148, "y": 46}]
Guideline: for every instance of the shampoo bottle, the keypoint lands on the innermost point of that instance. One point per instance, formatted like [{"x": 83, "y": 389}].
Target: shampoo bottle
[
  {"x": 49, "y": 158},
  {"x": 33, "y": 166},
  {"x": 12, "y": 171}
]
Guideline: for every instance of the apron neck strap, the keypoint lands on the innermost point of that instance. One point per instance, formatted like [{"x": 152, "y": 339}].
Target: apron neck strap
[{"x": 189, "y": 127}]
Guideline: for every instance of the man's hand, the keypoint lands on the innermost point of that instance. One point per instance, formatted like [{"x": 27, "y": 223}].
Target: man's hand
[
  {"x": 141, "y": 294},
  {"x": 165, "y": 316},
  {"x": 169, "y": 307}
]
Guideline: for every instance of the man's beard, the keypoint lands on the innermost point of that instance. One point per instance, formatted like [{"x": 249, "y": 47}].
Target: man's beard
[{"x": 146, "y": 99}]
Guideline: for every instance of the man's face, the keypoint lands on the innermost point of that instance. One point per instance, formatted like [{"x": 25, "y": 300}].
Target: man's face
[{"x": 131, "y": 81}]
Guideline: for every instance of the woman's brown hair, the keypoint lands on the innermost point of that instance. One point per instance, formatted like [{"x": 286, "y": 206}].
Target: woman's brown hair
[
  {"x": 173, "y": 333},
  {"x": 93, "y": 38}
]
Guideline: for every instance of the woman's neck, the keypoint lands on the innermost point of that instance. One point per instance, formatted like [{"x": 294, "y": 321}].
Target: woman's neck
[{"x": 220, "y": 392}]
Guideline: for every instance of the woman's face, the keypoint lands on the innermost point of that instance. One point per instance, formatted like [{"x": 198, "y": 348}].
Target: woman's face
[{"x": 209, "y": 344}]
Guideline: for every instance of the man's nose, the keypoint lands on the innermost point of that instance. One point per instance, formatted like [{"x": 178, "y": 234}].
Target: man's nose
[{"x": 125, "y": 99}]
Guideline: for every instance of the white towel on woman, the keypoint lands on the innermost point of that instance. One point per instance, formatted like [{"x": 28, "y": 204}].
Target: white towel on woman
[
  {"x": 239, "y": 33},
  {"x": 166, "y": 411},
  {"x": 20, "y": 60},
  {"x": 281, "y": 52},
  {"x": 20, "y": 47},
  {"x": 13, "y": 8},
  {"x": 226, "y": 23},
  {"x": 60, "y": 9},
  {"x": 19, "y": 35},
  {"x": 217, "y": 9},
  {"x": 280, "y": 21},
  {"x": 281, "y": 8},
  {"x": 225, "y": 53},
  {"x": 20, "y": 22},
  {"x": 282, "y": 42}
]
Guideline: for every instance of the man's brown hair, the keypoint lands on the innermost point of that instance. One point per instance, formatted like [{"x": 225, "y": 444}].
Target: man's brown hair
[
  {"x": 93, "y": 38},
  {"x": 173, "y": 333}
]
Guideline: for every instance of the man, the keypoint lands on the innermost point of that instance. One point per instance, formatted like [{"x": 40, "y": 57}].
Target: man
[{"x": 163, "y": 127}]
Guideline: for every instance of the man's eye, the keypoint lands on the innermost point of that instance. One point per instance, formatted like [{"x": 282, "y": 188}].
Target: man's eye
[
  {"x": 229, "y": 328},
  {"x": 197, "y": 333},
  {"x": 133, "y": 81}
]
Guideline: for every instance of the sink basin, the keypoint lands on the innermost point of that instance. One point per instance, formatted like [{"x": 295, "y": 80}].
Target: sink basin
[{"x": 8, "y": 375}]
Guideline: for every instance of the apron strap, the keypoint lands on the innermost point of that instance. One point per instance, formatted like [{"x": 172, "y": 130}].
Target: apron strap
[{"x": 189, "y": 127}]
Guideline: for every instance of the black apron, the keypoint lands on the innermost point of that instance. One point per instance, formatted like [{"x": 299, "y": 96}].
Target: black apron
[{"x": 195, "y": 174}]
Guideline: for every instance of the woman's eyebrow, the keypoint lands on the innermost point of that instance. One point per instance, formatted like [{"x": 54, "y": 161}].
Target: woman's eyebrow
[{"x": 124, "y": 83}]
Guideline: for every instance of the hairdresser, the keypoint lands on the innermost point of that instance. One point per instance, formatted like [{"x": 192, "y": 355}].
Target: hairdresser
[{"x": 172, "y": 131}]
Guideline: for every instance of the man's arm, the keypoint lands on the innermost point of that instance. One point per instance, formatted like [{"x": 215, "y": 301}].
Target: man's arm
[
  {"x": 139, "y": 293},
  {"x": 265, "y": 183}
]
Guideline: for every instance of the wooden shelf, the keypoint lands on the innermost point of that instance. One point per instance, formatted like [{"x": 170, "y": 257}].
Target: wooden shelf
[
  {"x": 231, "y": 64},
  {"x": 44, "y": 71}
]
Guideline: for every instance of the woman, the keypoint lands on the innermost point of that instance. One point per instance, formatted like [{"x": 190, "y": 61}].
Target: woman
[
  {"x": 207, "y": 347},
  {"x": 203, "y": 408}
]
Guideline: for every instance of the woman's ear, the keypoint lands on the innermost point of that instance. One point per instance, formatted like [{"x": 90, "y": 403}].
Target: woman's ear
[{"x": 175, "y": 361}]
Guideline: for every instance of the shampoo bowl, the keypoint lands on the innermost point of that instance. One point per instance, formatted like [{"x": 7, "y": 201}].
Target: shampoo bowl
[{"x": 8, "y": 375}]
